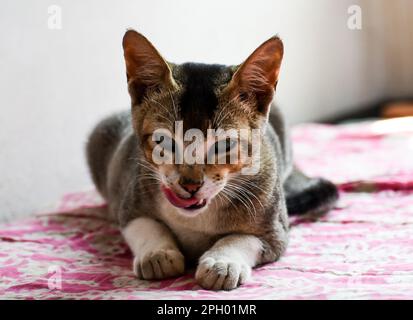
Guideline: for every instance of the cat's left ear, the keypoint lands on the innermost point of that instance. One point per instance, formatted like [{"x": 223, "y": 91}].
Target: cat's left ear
[{"x": 256, "y": 79}]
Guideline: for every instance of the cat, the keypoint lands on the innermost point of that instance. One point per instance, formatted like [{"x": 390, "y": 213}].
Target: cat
[{"x": 175, "y": 215}]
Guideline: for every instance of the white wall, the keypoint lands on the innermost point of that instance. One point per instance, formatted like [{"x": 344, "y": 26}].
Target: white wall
[{"x": 55, "y": 84}]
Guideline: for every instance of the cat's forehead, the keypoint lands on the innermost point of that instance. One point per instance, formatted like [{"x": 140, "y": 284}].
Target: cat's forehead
[
  {"x": 201, "y": 74},
  {"x": 200, "y": 86}
]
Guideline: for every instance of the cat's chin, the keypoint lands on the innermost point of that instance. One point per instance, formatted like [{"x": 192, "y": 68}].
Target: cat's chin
[
  {"x": 195, "y": 209},
  {"x": 191, "y": 212},
  {"x": 190, "y": 206}
]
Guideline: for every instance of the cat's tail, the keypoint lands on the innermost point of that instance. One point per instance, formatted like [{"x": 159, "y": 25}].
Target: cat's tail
[{"x": 309, "y": 196}]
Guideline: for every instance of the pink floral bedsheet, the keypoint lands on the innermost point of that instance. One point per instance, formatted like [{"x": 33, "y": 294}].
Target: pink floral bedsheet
[{"x": 361, "y": 250}]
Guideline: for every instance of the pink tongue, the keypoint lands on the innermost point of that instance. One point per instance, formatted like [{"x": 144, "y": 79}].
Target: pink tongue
[{"x": 177, "y": 201}]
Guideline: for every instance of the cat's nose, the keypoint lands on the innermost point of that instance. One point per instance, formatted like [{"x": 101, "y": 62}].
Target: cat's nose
[{"x": 192, "y": 186}]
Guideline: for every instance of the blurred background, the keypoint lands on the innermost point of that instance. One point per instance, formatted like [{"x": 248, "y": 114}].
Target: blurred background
[{"x": 60, "y": 74}]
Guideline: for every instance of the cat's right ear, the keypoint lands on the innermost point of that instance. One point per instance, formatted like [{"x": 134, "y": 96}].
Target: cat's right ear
[{"x": 145, "y": 68}]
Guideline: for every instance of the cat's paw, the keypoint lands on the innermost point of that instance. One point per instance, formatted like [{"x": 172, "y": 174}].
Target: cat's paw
[
  {"x": 221, "y": 273},
  {"x": 159, "y": 264}
]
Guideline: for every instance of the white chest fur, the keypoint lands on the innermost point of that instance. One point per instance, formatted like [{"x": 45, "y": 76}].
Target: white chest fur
[{"x": 195, "y": 233}]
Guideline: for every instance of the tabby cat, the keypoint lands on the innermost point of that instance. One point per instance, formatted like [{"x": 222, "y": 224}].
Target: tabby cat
[{"x": 210, "y": 215}]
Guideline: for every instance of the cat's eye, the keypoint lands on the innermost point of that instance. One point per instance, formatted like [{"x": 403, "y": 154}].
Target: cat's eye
[
  {"x": 224, "y": 146},
  {"x": 167, "y": 143}
]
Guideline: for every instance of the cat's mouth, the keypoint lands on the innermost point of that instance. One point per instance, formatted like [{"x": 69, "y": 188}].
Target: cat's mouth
[{"x": 190, "y": 204}]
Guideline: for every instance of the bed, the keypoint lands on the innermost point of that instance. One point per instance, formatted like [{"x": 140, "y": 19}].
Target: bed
[{"x": 363, "y": 249}]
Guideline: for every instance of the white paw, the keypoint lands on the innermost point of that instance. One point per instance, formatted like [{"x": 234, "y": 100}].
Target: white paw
[
  {"x": 221, "y": 273},
  {"x": 159, "y": 264}
]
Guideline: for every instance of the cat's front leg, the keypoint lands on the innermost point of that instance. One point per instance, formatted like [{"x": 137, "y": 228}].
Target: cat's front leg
[
  {"x": 229, "y": 262},
  {"x": 156, "y": 255}
]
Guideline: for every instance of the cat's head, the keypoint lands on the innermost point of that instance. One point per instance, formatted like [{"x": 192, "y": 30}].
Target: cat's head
[{"x": 169, "y": 101}]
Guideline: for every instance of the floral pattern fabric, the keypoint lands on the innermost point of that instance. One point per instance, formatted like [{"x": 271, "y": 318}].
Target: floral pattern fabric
[{"x": 363, "y": 249}]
